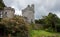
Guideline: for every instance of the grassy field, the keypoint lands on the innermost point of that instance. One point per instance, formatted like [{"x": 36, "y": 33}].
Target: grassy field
[{"x": 42, "y": 33}]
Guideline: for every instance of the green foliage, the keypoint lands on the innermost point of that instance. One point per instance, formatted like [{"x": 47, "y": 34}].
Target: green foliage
[
  {"x": 51, "y": 21},
  {"x": 16, "y": 25},
  {"x": 40, "y": 21},
  {"x": 2, "y": 5},
  {"x": 43, "y": 33}
]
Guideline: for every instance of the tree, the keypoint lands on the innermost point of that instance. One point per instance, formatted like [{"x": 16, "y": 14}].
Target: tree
[
  {"x": 2, "y": 5},
  {"x": 51, "y": 20}
]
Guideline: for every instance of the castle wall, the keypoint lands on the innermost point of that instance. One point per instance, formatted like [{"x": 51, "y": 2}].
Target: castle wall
[{"x": 8, "y": 12}]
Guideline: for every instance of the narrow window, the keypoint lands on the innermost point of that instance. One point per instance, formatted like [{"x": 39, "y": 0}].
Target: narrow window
[{"x": 5, "y": 14}]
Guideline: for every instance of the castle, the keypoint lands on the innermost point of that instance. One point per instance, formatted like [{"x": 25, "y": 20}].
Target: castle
[{"x": 28, "y": 13}]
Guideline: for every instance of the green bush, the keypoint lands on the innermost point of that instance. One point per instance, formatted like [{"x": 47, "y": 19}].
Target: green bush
[{"x": 16, "y": 25}]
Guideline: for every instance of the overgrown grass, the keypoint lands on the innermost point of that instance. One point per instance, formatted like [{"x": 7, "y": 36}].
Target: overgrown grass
[{"x": 42, "y": 33}]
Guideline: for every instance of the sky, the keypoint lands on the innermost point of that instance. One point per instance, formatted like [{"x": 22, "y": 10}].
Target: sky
[{"x": 42, "y": 7}]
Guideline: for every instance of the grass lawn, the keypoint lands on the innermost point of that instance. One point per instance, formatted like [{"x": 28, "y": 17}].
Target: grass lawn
[{"x": 42, "y": 33}]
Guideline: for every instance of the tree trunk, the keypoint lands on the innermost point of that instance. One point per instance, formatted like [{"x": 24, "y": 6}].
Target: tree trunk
[
  {"x": 55, "y": 28},
  {"x": 9, "y": 35}
]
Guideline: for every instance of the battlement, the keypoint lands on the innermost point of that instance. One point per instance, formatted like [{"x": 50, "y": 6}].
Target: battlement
[
  {"x": 9, "y": 8},
  {"x": 29, "y": 8}
]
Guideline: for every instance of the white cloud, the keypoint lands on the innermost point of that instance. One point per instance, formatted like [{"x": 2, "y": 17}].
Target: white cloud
[
  {"x": 17, "y": 11},
  {"x": 42, "y": 7}
]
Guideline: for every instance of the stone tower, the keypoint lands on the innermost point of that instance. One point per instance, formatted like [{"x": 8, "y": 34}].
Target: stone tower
[
  {"x": 28, "y": 13},
  {"x": 8, "y": 12}
]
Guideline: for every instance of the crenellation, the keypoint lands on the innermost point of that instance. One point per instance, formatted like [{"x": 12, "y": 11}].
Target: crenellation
[{"x": 8, "y": 8}]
